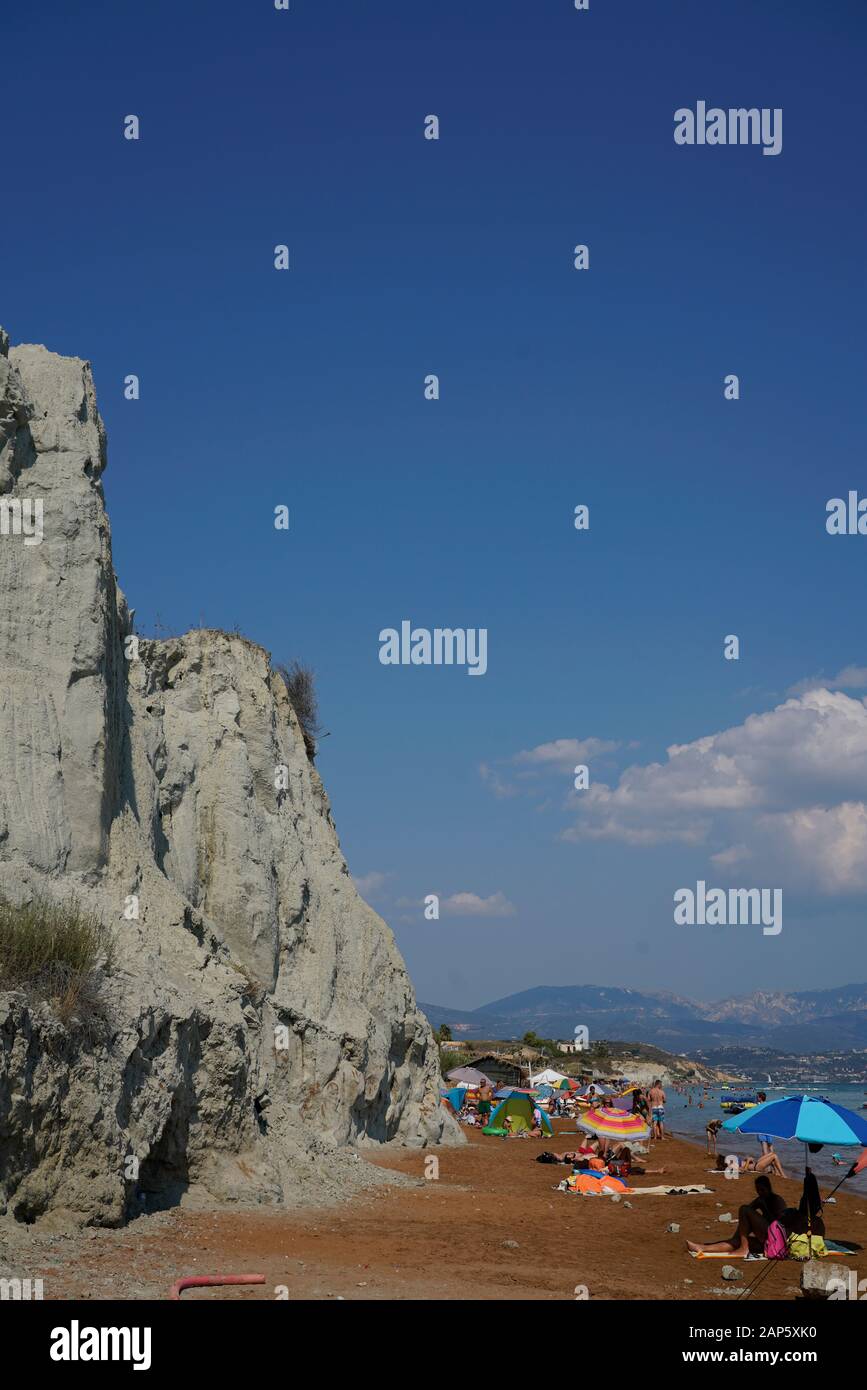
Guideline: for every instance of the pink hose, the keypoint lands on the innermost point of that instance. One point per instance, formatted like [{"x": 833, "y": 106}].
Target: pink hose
[{"x": 205, "y": 1281}]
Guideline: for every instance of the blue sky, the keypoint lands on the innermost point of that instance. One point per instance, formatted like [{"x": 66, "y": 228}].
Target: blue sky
[{"x": 558, "y": 387}]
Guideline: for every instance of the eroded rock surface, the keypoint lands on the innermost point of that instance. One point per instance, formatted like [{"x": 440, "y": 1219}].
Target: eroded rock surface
[{"x": 261, "y": 1016}]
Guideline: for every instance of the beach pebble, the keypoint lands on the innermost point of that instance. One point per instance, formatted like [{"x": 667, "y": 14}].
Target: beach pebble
[
  {"x": 731, "y": 1274},
  {"x": 726, "y": 1216},
  {"x": 615, "y": 1198},
  {"x": 673, "y": 1227},
  {"x": 628, "y": 1204},
  {"x": 511, "y": 1244},
  {"x": 687, "y": 1281}
]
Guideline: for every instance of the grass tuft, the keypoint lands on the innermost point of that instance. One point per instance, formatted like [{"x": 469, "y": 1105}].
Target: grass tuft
[{"x": 56, "y": 952}]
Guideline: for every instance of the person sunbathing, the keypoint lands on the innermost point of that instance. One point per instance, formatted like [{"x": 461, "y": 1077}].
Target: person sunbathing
[
  {"x": 754, "y": 1218},
  {"x": 622, "y": 1157},
  {"x": 585, "y": 1156},
  {"x": 768, "y": 1163}
]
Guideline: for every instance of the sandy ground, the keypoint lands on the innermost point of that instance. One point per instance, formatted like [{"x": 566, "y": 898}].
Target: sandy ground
[{"x": 442, "y": 1238}]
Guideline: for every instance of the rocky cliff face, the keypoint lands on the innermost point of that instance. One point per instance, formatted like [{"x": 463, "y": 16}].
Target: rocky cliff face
[{"x": 261, "y": 1015}]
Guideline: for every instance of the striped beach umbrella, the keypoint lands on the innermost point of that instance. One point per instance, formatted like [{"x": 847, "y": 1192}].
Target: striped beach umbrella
[{"x": 607, "y": 1122}]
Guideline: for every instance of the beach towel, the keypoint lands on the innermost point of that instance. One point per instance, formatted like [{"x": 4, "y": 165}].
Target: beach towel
[
  {"x": 593, "y": 1185},
  {"x": 686, "y": 1191},
  {"x": 722, "y": 1255},
  {"x": 727, "y": 1254}
]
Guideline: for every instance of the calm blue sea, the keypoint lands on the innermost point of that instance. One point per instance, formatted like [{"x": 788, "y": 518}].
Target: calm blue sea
[{"x": 689, "y": 1121}]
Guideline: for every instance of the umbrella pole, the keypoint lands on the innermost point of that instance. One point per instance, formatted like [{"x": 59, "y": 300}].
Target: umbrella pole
[
  {"x": 809, "y": 1213},
  {"x": 841, "y": 1182}
]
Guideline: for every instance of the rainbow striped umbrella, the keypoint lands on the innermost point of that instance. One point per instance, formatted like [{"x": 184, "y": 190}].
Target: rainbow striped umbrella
[{"x": 607, "y": 1122}]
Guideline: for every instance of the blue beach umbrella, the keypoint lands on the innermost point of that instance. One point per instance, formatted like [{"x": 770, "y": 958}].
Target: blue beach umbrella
[{"x": 810, "y": 1119}]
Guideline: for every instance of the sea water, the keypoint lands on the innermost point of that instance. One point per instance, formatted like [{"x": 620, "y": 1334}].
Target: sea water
[{"x": 688, "y": 1121}]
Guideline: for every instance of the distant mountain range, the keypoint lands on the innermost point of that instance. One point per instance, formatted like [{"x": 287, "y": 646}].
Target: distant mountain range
[{"x": 809, "y": 1021}]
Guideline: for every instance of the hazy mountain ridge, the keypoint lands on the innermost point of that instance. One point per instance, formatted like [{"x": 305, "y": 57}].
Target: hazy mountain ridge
[{"x": 802, "y": 1021}]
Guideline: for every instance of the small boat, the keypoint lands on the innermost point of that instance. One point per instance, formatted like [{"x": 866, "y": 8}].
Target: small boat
[{"x": 736, "y": 1104}]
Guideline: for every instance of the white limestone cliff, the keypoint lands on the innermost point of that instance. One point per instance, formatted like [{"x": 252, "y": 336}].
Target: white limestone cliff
[{"x": 155, "y": 777}]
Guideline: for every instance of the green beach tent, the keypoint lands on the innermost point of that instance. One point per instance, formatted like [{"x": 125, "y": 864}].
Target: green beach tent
[{"x": 520, "y": 1111}]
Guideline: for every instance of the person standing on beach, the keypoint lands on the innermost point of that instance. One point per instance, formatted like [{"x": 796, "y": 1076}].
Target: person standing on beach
[
  {"x": 765, "y": 1140},
  {"x": 486, "y": 1097},
  {"x": 657, "y": 1109}
]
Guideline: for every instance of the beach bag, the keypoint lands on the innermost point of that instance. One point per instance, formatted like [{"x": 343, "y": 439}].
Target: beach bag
[
  {"x": 799, "y": 1246},
  {"x": 619, "y": 1168},
  {"x": 776, "y": 1247}
]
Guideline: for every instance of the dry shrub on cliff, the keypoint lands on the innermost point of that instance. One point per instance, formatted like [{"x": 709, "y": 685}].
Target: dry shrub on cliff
[
  {"x": 301, "y": 688},
  {"x": 57, "y": 952}
]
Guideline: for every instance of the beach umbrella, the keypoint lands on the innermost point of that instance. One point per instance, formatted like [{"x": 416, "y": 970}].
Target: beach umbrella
[
  {"x": 607, "y": 1122},
  {"x": 469, "y": 1075},
  {"x": 810, "y": 1119}
]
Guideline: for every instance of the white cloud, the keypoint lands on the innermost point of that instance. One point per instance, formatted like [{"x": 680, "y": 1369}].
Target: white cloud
[
  {"x": 850, "y": 678},
  {"x": 829, "y": 844},
  {"x": 564, "y": 753},
  {"x": 471, "y": 905},
  {"x": 369, "y": 885},
  {"x": 735, "y": 854},
  {"x": 558, "y": 758},
  {"x": 495, "y": 782},
  {"x": 790, "y": 783}
]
